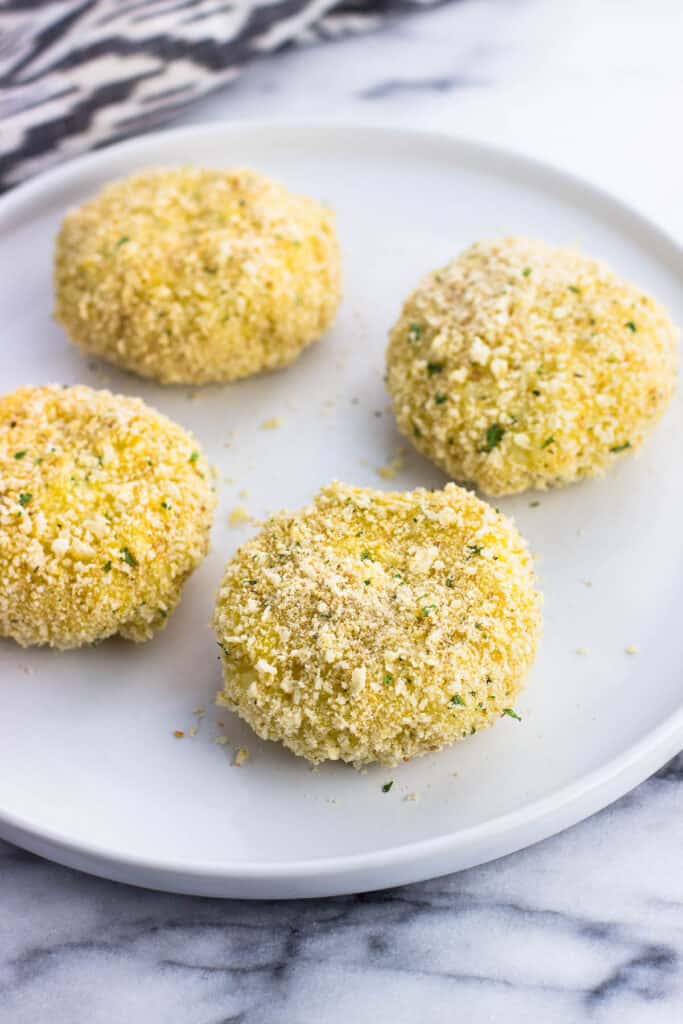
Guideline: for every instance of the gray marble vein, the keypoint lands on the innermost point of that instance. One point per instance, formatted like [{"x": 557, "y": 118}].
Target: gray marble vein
[
  {"x": 407, "y": 86},
  {"x": 584, "y": 927}
]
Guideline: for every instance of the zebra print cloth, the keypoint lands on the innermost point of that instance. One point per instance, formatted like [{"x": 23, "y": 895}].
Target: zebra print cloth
[{"x": 77, "y": 74}]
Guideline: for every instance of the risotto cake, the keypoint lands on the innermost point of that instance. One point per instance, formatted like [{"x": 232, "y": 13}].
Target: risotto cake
[
  {"x": 191, "y": 276},
  {"x": 374, "y": 626},
  {"x": 105, "y": 510},
  {"x": 522, "y": 365}
]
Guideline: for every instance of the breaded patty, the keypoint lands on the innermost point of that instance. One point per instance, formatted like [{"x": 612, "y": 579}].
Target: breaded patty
[
  {"x": 522, "y": 365},
  {"x": 191, "y": 276},
  {"x": 375, "y": 626},
  {"x": 105, "y": 510}
]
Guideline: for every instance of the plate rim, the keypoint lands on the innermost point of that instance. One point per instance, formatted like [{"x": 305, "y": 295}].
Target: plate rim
[{"x": 410, "y": 861}]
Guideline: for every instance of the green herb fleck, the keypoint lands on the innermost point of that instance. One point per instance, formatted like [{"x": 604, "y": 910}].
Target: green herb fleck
[
  {"x": 128, "y": 557},
  {"x": 573, "y": 288},
  {"x": 631, "y": 326},
  {"x": 494, "y": 435},
  {"x": 474, "y": 549},
  {"x": 21, "y": 454},
  {"x": 366, "y": 582},
  {"x": 427, "y": 610},
  {"x": 106, "y": 567},
  {"x": 415, "y": 332},
  {"x": 440, "y": 399},
  {"x": 526, "y": 272},
  {"x": 194, "y": 456},
  {"x": 365, "y": 556},
  {"x": 621, "y": 447},
  {"x": 388, "y": 678},
  {"x": 387, "y": 786},
  {"x": 458, "y": 700},
  {"x": 433, "y": 368},
  {"x": 450, "y": 582},
  {"x": 416, "y": 430},
  {"x": 511, "y": 713},
  {"x": 548, "y": 441},
  {"x": 122, "y": 241},
  {"x": 534, "y": 504},
  {"x": 165, "y": 505},
  {"x": 25, "y": 498}
]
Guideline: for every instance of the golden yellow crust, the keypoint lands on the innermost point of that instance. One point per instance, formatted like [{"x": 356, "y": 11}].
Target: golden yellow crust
[
  {"x": 105, "y": 509},
  {"x": 375, "y": 626},
  {"x": 190, "y": 276},
  {"x": 521, "y": 365}
]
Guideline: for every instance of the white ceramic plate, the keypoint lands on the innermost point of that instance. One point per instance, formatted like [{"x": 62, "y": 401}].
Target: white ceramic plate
[{"x": 90, "y": 772}]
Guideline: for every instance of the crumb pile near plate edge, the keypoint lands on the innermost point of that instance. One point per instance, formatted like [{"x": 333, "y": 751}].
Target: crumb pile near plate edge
[
  {"x": 377, "y": 626},
  {"x": 524, "y": 365},
  {"x": 189, "y": 276},
  {"x": 105, "y": 510}
]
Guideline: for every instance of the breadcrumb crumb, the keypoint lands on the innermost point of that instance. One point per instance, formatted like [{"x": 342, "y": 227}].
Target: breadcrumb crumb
[
  {"x": 393, "y": 467},
  {"x": 239, "y": 515}
]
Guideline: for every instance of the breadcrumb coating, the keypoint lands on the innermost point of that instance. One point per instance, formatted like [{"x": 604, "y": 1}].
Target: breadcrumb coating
[
  {"x": 522, "y": 365},
  {"x": 105, "y": 510},
  {"x": 191, "y": 276},
  {"x": 375, "y": 626}
]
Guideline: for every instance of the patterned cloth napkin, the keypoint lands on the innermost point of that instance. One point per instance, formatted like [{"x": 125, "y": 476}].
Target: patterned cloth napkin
[{"x": 76, "y": 74}]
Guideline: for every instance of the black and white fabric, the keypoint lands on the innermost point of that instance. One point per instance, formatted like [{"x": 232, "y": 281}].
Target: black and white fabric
[{"x": 77, "y": 74}]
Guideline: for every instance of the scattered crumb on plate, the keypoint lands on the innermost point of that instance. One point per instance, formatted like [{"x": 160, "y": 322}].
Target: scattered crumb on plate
[
  {"x": 239, "y": 515},
  {"x": 392, "y": 467}
]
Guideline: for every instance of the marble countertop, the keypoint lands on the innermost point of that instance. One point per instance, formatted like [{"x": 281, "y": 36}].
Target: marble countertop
[{"x": 586, "y": 926}]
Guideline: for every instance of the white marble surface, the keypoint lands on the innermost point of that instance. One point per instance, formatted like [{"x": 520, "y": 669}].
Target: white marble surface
[{"x": 587, "y": 926}]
